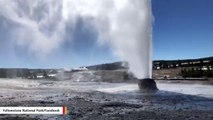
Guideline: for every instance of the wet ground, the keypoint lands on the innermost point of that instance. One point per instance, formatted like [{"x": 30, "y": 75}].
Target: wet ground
[{"x": 175, "y": 100}]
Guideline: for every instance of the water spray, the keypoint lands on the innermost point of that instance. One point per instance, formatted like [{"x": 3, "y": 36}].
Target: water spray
[{"x": 125, "y": 25}]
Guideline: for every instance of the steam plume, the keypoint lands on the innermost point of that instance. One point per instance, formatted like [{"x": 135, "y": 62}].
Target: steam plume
[{"x": 40, "y": 25}]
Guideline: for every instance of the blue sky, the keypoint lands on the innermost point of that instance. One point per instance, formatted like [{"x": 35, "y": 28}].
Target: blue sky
[{"x": 181, "y": 29}]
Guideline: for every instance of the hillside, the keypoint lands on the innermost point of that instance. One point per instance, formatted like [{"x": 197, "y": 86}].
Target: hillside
[{"x": 159, "y": 64}]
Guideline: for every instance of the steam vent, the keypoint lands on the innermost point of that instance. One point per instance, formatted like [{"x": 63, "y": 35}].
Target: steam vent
[{"x": 147, "y": 84}]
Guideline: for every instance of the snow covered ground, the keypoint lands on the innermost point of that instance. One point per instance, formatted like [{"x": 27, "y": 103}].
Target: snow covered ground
[
  {"x": 171, "y": 96},
  {"x": 9, "y": 86}
]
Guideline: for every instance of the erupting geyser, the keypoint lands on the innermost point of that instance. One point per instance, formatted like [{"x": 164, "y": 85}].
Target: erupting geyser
[{"x": 126, "y": 25}]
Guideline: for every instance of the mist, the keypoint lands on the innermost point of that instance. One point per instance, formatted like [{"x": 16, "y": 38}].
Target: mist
[{"x": 125, "y": 25}]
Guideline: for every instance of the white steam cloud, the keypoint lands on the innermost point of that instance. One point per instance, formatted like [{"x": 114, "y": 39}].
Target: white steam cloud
[{"x": 40, "y": 25}]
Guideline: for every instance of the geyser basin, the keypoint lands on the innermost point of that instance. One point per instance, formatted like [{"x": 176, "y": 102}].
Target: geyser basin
[{"x": 147, "y": 84}]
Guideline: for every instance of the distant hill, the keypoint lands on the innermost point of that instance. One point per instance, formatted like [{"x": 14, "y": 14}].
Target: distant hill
[
  {"x": 23, "y": 72},
  {"x": 204, "y": 64},
  {"x": 159, "y": 64},
  {"x": 109, "y": 66},
  {"x": 200, "y": 62}
]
